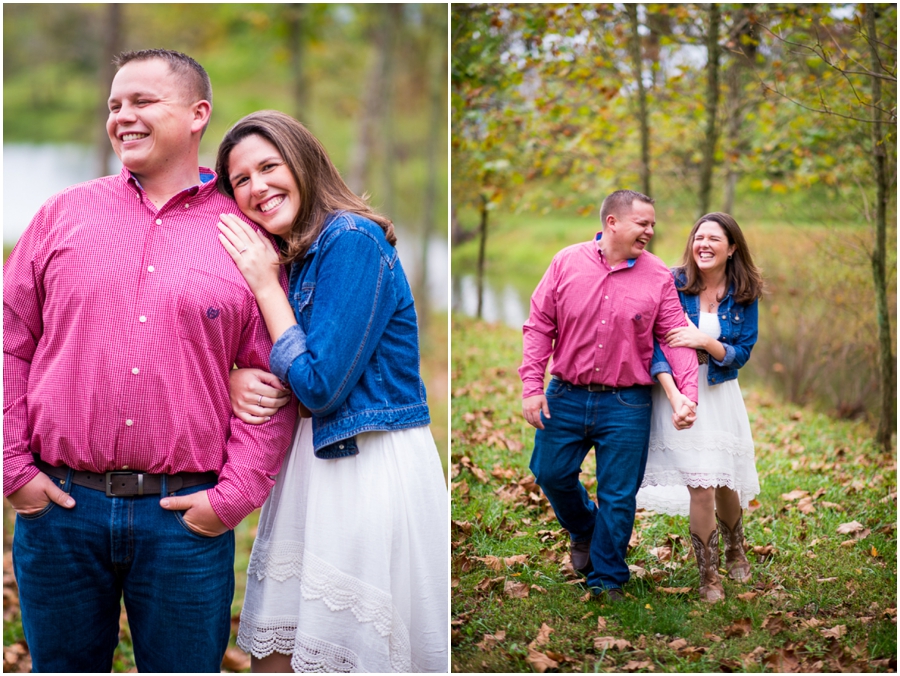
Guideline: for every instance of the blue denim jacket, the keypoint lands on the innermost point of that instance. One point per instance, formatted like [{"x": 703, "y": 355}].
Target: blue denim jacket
[
  {"x": 353, "y": 357},
  {"x": 739, "y": 332}
]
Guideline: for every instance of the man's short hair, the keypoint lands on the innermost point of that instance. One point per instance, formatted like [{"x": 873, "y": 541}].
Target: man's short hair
[
  {"x": 615, "y": 202},
  {"x": 197, "y": 80}
]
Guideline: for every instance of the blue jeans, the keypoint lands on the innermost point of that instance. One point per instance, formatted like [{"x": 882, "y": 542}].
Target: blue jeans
[
  {"x": 73, "y": 567},
  {"x": 617, "y": 425}
]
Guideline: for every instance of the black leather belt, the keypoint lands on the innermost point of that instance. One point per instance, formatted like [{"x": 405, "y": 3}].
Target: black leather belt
[
  {"x": 592, "y": 387},
  {"x": 126, "y": 483}
]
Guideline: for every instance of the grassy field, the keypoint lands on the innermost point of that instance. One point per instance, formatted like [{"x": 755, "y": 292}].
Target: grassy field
[
  {"x": 823, "y": 539},
  {"x": 16, "y": 658}
]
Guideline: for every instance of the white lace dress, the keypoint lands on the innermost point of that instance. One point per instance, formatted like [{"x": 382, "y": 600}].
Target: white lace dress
[
  {"x": 716, "y": 451},
  {"x": 350, "y": 568}
]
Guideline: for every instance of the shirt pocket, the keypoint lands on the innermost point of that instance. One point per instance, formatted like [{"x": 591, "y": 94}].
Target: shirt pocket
[
  {"x": 212, "y": 311},
  {"x": 638, "y": 312}
]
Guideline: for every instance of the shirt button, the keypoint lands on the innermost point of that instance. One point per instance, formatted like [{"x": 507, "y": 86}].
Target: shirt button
[
  {"x": 142, "y": 319},
  {"x": 603, "y": 321},
  {"x": 599, "y": 346},
  {"x": 124, "y": 466},
  {"x": 596, "y": 369},
  {"x": 129, "y": 422},
  {"x": 186, "y": 205},
  {"x": 150, "y": 268},
  {"x": 341, "y": 446},
  {"x": 158, "y": 221},
  {"x": 605, "y": 297},
  {"x": 135, "y": 370}
]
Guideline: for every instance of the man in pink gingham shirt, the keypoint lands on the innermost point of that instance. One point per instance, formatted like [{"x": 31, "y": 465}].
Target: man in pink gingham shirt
[
  {"x": 596, "y": 312},
  {"x": 123, "y": 316}
]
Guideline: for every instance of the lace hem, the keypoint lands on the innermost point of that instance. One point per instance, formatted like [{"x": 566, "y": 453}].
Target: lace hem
[
  {"x": 308, "y": 654},
  {"x": 337, "y": 590},
  {"x": 679, "y": 503}
]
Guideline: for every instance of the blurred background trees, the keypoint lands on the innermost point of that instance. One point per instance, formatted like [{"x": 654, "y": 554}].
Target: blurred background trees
[
  {"x": 782, "y": 115},
  {"x": 369, "y": 81}
]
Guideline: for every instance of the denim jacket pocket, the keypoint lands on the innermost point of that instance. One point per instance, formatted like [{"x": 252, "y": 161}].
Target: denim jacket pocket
[
  {"x": 302, "y": 302},
  {"x": 339, "y": 449}
]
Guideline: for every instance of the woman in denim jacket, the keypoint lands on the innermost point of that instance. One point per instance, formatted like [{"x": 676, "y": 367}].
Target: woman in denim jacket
[
  {"x": 709, "y": 471},
  {"x": 349, "y": 568}
]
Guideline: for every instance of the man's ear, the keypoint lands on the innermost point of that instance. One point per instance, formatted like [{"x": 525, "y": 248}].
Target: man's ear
[{"x": 202, "y": 110}]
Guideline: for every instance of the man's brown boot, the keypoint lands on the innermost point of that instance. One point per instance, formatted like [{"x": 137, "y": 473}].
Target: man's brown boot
[
  {"x": 711, "y": 589},
  {"x": 736, "y": 562}
]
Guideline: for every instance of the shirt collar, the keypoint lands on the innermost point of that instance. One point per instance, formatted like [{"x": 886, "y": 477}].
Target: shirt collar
[
  {"x": 207, "y": 180},
  {"x": 630, "y": 261}
]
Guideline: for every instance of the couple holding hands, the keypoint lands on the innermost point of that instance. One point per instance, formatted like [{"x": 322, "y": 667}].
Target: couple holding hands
[{"x": 615, "y": 320}]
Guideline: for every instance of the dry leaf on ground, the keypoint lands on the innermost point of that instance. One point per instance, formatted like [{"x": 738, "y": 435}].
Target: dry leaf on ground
[
  {"x": 675, "y": 590},
  {"x": 611, "y": 643},
  {"x": 490, "y": 640},
  {"x": 834, "y": 632},
  {"x": 540, "y": 661},
  {"x": 795, "y": 494},
  {"x": 516, "y": 590},
  {"x": 739, "y": 628},
  {"x": 543, "y": 637}
]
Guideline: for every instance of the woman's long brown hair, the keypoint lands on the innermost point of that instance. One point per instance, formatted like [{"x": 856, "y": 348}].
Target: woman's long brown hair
[
  {"x": 322, "y": 190},
  {"x": 740, "y": 272}
]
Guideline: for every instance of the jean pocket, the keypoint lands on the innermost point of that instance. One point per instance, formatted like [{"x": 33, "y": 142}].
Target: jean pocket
[
  {"x": 555, "y": 389},
  {"x": 179, "y": 517},
  {"x": 37, "y": 515},
  {"x": 634, "y": 397}
]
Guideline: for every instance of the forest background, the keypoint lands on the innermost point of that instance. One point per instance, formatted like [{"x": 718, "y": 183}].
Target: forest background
[
  {"x": 783, "y": 116},
  {"x": 370, "y": 81}
]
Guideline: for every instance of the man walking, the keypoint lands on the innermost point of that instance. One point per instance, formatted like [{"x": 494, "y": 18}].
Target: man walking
[
  {"x": 596, "y": 312},
  {"x": 123, "y": 316}
]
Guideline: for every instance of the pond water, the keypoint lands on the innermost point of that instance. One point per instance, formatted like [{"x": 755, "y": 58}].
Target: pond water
[
  {"x": 502, "y": 304},
  {"x": 33, "y": 173}
]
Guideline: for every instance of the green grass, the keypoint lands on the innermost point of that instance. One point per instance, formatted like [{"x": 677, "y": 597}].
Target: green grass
[{"x": 797, "y": 448}]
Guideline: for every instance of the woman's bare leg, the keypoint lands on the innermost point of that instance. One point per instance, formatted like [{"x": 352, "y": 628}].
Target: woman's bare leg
[
  {"x": 703, "y": 511},
  {"x": 728, "y": 505},
  {"x": 276, "y": 663}
]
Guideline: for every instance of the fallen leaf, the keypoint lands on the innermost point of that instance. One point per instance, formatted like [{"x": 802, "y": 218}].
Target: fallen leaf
[
  {"x": 675, "y": 590},
  {"x": 831, "y": 505},
  {"x": 713, "y": 638},
  {"x": 543, "y": 636},
  {"x": 826, "y": 579},
  {"x": 638, "y": 572},
  {"x": 540, "y": 661},
  {"x": 795, "y": 494},
  {"x": 834, "y": 632},
  {"x": 782, "y": 661},
  {"x": 461, "y": 487},
  {"x": 662, "y": 553},
  {"x": 634, "y": 665},
  {"x": 510, "y": 561},
  {"x": 488, "y": 584},
  {"x": 490, "y": 640},
  {"x": 747, "y": 596},
  {"x": 601, "y": 623},
  {"x": 677, "y": 644},
  {"x": 774, "y": 623},
  {"x": 516, "y": 590},
  {"x": 852, "y": 527},
  {"x": 806, "y": 505},
  {"x": 538, "y": 588},
  {"x": 492, "y": 562},
  {"x": 739, "y": 628},
  {"x": 611, "y": 643},
  {"x": 811, "y": 623}
]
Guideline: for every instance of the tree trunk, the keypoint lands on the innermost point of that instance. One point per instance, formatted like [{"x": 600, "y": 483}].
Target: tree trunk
[
  {"x": 742, "y": 46},
  {"x": 437, "y": 73},
  {"x": 481, "y": 246},
  {"x": 112, "y": 45},
  {"x": 887, "y": 418},
  {"x": 373, "y": 103},
  {"x": 634, "y": 47},
  {"x": 296, "y": 45},
  {"x": 712, "y": 105}
]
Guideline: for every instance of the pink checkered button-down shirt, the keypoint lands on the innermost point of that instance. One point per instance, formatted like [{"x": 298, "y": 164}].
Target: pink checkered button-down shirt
[
  {"x": 598, "y": 324},
  {"x": 121, "y": 323}
]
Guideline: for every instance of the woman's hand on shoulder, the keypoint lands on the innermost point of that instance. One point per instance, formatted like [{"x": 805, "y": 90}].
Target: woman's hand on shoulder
[
  {"x": 251, "y": 252},
  {"x": 256, "y": 395}
]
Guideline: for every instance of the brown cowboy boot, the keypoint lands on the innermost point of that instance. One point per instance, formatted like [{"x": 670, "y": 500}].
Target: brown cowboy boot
[
  {"x": 711, "y": 589},
  {"x": 736, "y": 562}
]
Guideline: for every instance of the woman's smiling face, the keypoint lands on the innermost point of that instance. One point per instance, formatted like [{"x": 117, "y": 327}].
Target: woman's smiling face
[
  {"x": 711, "y": 248},
  {"x": 264, "y": 187}
]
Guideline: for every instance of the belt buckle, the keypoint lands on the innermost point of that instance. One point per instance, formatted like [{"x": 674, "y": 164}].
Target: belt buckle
[{"x": 109, "y": 476}]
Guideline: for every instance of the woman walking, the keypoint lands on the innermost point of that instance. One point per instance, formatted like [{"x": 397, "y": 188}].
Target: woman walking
[{"x": 708, "y": 472}]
